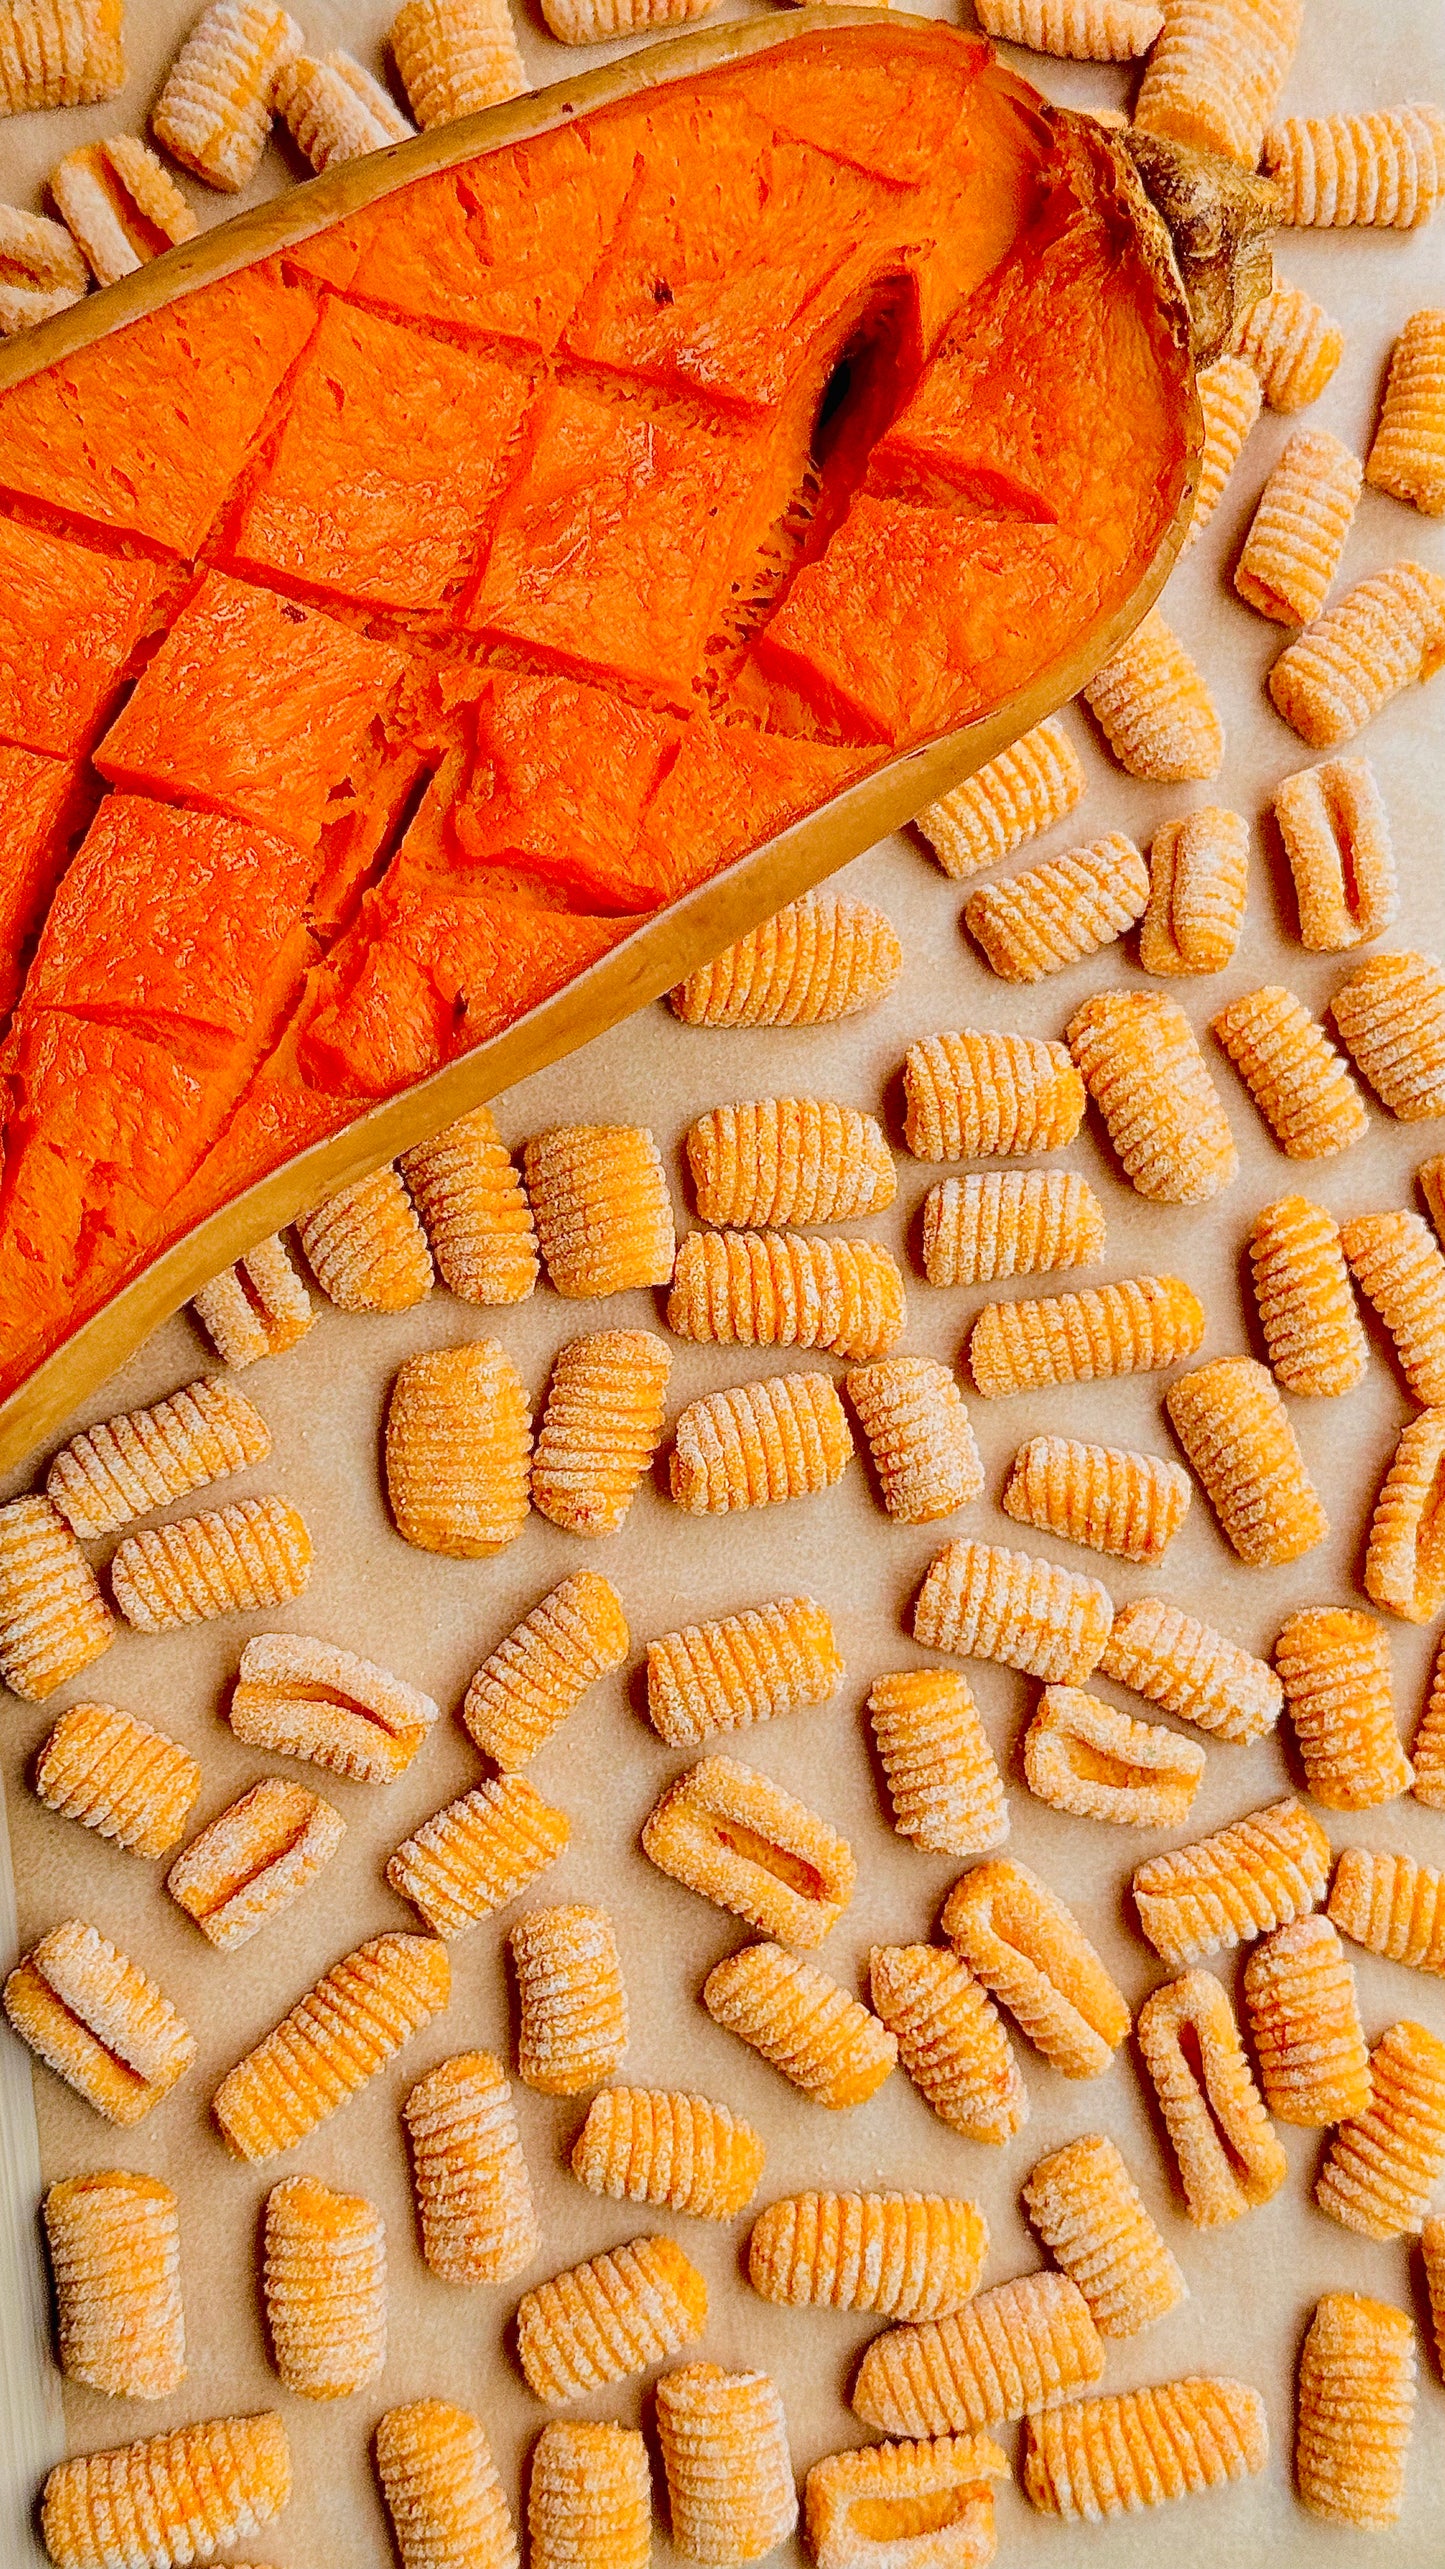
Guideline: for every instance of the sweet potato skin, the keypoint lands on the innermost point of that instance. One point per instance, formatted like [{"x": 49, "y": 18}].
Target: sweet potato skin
[{"x": 426, "y": 606}]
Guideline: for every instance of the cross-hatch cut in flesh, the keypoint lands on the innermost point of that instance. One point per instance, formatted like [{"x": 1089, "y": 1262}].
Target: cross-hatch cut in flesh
[{"x": 427, "y": 605}]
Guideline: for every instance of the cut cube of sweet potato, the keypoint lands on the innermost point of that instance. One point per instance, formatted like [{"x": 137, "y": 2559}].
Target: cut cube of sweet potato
[
  {"x": 70, "y": 619},
  {"x": 729, "y": 789},
  {"x": 999, "y": 416},
  {"x": 186, "y": 921},
  {"x": 104, "y": 1127},
  {"x": 559, "y": 784},
  {"x": 1010, "y": 489},
  {"x": 43, "y": 803},
  {"x": 732, "y": 250},
  {"x": 146, "y": 429},
  {"x": 254, "y": 705},
  {"x": 452, "y": 968},
  {"x": 506, "y": 251},
  {"x": 890, "y": 105},
  {"x": 395, "y": 443},
  {"x": 973, "y": 606},
  {"x": 973, "y": 202},
  {"x": 613, "y": 548},
  {"x": 100, "y": 1096}
]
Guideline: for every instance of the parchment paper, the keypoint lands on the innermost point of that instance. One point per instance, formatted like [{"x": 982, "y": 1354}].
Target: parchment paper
[{"x": 1252, "y": 2285}]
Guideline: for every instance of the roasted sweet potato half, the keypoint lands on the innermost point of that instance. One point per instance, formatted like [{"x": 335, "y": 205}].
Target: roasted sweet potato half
[{"x": 395, "y": 626}]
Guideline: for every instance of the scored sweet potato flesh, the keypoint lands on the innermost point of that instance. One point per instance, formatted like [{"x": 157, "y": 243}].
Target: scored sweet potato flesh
[{"x": 388, "y": 628}]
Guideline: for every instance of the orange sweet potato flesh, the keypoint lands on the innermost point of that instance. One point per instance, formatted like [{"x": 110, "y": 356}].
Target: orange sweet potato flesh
[
  {"x": 70, "y": 621},
  {"x": 43, "y": 805},
  {"x": 144, "y": 432},
  {"x": 393, "y": 449},
  {"x": 389, "y": 628},
  {"x": 500, "y": 251},
  {"x": 255, "y": 704},
  {"x": 615, "y": 547},
  {"x": 179, "y": 922},
  {"x": 560, "y": 779}
]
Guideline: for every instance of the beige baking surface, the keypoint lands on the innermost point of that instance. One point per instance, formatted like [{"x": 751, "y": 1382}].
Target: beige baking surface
[{"x": 1252, "y": 2285}]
